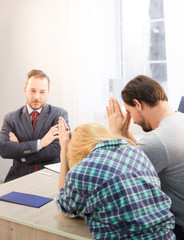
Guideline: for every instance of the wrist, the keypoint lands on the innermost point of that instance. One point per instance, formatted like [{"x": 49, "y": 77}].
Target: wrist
[
  {"x": 129, "y": 135},
  {"x": 42, "y": 144}
]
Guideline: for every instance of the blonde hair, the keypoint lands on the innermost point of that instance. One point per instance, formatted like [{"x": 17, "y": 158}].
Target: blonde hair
[{"x": 85, "y": 138}]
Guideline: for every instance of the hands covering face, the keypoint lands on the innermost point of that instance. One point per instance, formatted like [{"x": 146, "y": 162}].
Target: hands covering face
[
  {"x": 64, "y": 133},
  {"x": 118, "y": 121}
]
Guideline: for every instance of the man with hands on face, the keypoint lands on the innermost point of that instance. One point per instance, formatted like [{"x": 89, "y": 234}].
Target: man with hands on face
[
  {"x": 32, "y": 143},
  {"x": 146, "y": 103}
]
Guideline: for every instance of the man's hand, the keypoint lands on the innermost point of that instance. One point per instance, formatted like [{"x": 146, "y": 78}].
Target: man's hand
[
  {"x": 50, "y": 136},
  {"x": 115, "y": 117},
  {"x": 13, "y": 137},
  {"x": 119, "y": 122}
]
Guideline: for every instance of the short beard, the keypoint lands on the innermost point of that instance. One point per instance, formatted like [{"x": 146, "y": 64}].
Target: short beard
[
  {"x": 145, "y": 129},
  {"x": 144, "y": 126}
]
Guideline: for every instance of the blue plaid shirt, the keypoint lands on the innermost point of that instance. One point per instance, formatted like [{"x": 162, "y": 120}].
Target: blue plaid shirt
[{"x": 117, "y": 190}]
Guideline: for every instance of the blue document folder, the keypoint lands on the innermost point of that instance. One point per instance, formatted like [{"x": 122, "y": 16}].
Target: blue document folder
[{"x": 25, "y": 199}]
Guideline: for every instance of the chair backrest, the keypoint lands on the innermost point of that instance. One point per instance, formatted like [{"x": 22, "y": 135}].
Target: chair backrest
[{"x": 181, "y": 105}]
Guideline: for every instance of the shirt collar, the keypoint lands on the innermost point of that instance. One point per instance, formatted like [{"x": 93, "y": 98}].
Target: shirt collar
[
  {"x": 111, "y": 144},
  {"x": 30, "y": 110}
]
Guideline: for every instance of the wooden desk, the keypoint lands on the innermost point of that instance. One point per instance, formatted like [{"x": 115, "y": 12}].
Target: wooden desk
[{"x": 18, "y": 222}]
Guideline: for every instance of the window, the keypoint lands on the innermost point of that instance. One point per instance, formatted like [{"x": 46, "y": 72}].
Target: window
[
  {"x": 157, "y": 50},
  {"x": 152, "y": 36}
]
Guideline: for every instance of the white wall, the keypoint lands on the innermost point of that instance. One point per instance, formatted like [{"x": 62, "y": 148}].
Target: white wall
[
  {"x": 76, "y": 42},
  {"x": 174, "y": 18},
  {"x": 90, "y": 55}
]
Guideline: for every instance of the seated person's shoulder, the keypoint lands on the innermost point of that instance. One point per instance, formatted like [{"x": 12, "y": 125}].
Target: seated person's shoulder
[
  {"x": 57, "y": 109},
  {"x": 13, "y": 114},
  {"x": 57, "y": 112}
]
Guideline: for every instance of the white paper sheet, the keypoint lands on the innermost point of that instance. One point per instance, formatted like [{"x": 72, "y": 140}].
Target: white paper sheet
[{"x": 54, "y": 167}]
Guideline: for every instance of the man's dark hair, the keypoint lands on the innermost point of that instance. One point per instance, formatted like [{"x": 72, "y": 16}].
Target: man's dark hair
[{"x": 144, "y": 89}]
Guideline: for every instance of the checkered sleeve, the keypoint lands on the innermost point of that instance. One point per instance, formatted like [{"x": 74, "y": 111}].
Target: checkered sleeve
[{"x": 69, "y": 199}]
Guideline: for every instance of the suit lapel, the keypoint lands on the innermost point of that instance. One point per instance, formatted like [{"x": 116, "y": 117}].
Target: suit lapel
[
  {"x": 41, "y": 120},
  {"x": 26, "y": 122}
]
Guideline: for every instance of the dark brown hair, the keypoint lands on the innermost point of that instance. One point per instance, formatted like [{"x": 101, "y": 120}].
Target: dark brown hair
[
  {"x": 37, "y": 74},
  {"x": 144, "y": 89}
]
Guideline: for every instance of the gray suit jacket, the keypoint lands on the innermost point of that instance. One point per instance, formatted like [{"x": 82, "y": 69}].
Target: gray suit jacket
[{"x": 19, "y": 123}]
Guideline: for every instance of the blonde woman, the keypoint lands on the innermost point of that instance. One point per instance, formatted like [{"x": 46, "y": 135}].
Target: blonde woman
[{"x": 112, "y": 185}]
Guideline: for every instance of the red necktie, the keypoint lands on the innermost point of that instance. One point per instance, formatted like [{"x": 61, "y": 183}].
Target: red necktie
[{"x": 34, "y": 116}]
